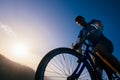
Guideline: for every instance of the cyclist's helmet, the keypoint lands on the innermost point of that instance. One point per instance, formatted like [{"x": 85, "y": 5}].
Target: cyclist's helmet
[{"x": 80, "y": 20}]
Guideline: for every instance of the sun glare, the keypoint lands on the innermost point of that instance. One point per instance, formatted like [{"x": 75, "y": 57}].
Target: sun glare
[{"x": 20, "y": 50}]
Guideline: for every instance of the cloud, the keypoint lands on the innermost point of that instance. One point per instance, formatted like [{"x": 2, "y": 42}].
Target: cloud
[{"x": 8, "y": 30}]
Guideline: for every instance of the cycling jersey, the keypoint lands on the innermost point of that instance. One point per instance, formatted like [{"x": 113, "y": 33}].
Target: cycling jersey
[{"x": 91, "y": 34}]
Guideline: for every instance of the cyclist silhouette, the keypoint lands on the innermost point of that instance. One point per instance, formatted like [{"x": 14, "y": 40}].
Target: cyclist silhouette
[{"x": 101, "y": 45}]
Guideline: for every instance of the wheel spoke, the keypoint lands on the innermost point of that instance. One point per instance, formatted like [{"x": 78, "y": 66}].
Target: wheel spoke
[{"x": 60, "y": 64}]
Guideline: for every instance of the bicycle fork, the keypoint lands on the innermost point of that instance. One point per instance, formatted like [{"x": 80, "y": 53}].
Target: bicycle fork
[{"x": 77, "y": 72}]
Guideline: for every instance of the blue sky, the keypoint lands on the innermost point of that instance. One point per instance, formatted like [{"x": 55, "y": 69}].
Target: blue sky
[{"x": 47, "y": 24}]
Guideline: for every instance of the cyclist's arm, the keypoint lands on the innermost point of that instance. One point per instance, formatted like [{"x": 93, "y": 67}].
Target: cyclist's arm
[
  {"x": 80, "y": 40},
  {"x": 77, "y": 44}
]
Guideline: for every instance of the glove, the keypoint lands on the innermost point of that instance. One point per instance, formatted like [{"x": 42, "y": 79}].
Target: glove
[{"x": 75, "y": 47}]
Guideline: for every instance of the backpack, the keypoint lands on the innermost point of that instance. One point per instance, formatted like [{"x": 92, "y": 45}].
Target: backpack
[{"x": 97, "y": 24}]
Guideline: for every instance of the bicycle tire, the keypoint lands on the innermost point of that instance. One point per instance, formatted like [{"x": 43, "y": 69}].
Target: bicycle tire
[{"x": 41, "y": 69}]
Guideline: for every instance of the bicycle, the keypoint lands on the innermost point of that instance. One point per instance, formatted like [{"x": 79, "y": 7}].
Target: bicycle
[{"x": 68, "y": 64}]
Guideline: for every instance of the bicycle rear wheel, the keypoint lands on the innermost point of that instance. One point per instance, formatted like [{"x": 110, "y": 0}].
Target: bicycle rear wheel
[{"x": 60, "y": 63}]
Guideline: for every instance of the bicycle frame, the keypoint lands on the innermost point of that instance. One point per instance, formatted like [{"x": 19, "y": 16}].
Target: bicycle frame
[
  {"x": 86, "y": 57},
  {"x": 84, "y": 64}
]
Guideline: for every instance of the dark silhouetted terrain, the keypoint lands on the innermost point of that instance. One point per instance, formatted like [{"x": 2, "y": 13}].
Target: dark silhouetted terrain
[{"x": 10, "y": 70}]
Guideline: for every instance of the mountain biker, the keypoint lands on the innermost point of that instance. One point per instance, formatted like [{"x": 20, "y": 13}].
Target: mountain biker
[{"x": 95, "y": 36}]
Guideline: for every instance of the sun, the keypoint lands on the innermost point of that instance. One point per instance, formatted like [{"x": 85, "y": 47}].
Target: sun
[{"x": 20, "y": 50}]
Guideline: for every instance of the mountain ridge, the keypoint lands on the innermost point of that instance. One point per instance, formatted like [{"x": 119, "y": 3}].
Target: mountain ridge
[{"x": 10, "y": 70}]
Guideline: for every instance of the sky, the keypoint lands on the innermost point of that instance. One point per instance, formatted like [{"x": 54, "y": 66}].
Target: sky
[{"x": 43, "y": 25}]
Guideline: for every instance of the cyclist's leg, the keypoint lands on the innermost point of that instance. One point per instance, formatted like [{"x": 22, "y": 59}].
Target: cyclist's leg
[
  {"x": 98, "y": 64},
  {"x": 105, "y": 50},
  {"x": 109, "y": 70},
  {"x": 114, "y": 62}
]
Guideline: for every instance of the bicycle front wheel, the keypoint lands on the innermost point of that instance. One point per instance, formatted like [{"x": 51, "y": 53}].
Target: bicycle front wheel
[{"x": 60, "y": 63}]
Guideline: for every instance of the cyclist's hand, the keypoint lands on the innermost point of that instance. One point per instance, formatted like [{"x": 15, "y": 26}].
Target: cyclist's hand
[{"x": 75, "y": 46}]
